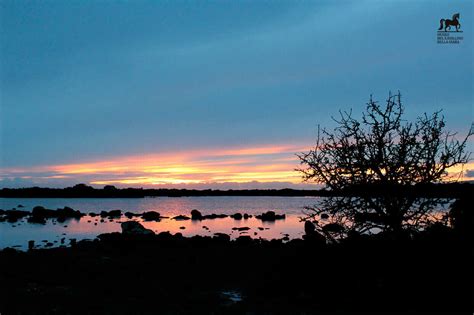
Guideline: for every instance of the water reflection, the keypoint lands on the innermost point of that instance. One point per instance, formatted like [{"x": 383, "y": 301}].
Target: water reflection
[{"x": 89, "y": 227}]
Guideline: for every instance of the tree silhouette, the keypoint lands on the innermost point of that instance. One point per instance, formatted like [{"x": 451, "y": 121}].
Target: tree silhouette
[{"x": 386, "y": 154}]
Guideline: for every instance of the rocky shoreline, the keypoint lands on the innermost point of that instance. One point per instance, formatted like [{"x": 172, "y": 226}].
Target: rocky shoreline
[
  {"x": 40, "y": 215},
  {"x": 137, "y": 271}
]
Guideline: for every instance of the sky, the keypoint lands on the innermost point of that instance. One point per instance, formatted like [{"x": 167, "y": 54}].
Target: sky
[{"x": 210, "y": 94}]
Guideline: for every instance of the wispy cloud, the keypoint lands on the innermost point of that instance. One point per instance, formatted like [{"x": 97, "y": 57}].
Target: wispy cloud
[{"x": 272, "y": 164}]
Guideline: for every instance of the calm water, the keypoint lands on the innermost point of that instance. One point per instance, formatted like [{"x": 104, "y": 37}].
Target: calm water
[{"x": 20, "y": 233}]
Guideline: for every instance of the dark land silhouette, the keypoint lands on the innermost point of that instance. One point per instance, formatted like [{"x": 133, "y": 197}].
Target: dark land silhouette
[{"x": 448, "y": 190}]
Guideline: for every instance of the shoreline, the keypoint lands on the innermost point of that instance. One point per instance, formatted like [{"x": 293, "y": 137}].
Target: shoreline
[{"x": 123, "y": 274}]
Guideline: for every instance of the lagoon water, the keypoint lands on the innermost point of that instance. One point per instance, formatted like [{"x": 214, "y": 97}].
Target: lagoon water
[{"x": 18, "y": 234}]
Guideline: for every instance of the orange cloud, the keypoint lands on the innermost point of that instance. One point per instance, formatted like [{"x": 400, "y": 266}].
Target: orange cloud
[
  {"x": 271, "y": 163},
  {"x": 264, "y": 164}
]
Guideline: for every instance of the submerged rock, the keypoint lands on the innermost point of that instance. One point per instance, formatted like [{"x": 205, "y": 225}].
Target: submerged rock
[{"x": 181, "y": 218}]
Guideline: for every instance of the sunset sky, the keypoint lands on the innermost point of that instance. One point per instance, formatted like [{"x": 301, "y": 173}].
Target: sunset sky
[{"x": 210, "y": 94}]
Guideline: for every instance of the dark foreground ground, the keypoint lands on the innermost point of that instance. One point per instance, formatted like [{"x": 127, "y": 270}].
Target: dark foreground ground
[
  {"x": 165, "y": 274},
  {"x": 139, "y": 272}
]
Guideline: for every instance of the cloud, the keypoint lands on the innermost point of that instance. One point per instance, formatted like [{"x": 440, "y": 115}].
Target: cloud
[
  {"x": 469, "y": 173},
  {"x": 265, "y": 166}
]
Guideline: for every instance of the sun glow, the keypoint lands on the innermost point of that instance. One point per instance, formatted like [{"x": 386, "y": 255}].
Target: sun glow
[
  {"x": 262, "y": 164},
  {"x": 237, "y": 165}
]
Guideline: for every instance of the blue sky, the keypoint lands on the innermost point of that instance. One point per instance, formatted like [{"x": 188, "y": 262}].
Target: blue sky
[{"x": 89, "y": 82}]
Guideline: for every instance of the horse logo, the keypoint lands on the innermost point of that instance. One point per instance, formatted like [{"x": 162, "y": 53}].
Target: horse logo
[{"x": 448, "y": 23}]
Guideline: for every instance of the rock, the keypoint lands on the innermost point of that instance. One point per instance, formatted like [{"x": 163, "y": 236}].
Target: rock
[
  {"x": 151, "y": 216},
  {"x": 270, "y": 216},
  {"x": 36, "y": 220},
  {"x": 261, "y": 228},
  {"x": 129, "y": 215},
  {"x": 247, "y": 216},
  {"x": 31, "y": 245},
  {"x": 214, "y": 216},
  {"x": 67, "y": 212},
  {"x": 115, "y": 213},
  {"x": 13, "y": 216},
  {"x": 237, "y": 216},
  {"x": 196, "y": 215},
  {"x": 241, "y": 228},
  {"x": 134, "y": 228},
  {"x": 182, "y": 227},
  {"x": 73, "y": 242},
  {"x": 20, "y": 206},
  {"x": 40, "y": 211},
  {"x": 181, "y": 218}
]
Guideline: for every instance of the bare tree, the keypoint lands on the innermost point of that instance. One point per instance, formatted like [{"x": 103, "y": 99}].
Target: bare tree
[{"x": 380, "y": 149}]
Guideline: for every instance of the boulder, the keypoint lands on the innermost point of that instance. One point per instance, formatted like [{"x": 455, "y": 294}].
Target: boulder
[
  {"x": 134, "y": 228},
  {"x": 129, "y": 214},
  {"x": 270, "y": 216},
  {"x": 151, "y": 216},
  {"x": 196, "y": 215},
  {"x": 237, "y": 216},
  {"x": 115, "y": 213},
  {"x": 36, "y": 220},
  {"x": 40, "y": 211}
]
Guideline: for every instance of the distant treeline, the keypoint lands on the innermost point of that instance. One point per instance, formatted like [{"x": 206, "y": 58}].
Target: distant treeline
[{"x": 448, "y": 190}]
